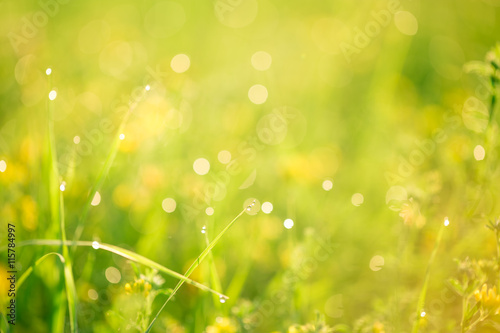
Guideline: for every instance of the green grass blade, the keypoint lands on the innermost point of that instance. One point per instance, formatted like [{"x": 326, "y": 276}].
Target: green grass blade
[
  {"x": 195, "y": 264},
  {"x": 423, "y": 292},
  {"x": 214, "y": 277},
  {"x": 30, "y": 269},
  {"x": 110, "y": 158},
  {"x": 57, "y": 213},
  {"x": 127, "y": 254}
]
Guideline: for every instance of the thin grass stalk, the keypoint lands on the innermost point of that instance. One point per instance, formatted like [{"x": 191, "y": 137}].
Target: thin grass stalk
[
  {"x": 423, "y": 292},
  {"x": 127, "y": 254},
  {"x": 196, "y": 263}
]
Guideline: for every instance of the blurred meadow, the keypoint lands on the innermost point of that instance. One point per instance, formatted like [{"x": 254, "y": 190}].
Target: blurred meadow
[{"x": 355, "y": 143}]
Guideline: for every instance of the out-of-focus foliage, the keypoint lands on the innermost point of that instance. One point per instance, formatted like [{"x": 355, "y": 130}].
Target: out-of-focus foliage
[{"x": 357, "y": 127}]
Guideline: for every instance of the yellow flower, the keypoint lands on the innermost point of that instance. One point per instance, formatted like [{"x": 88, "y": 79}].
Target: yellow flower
[
  {"x": 410, "y": 212},
  {"x": 488, "y": 298},
  {"x": 378, "y": 327},
  {"x": 222, "y": 325},
  {"x": 139, "y": 286}
]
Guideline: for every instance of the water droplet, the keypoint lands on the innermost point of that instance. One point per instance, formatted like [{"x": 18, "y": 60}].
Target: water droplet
[
  {"x": 261, "y": 60},
  {"x": 224, "y": 157},
  {"x": 257, "y": 94},
  {"x": 93, "y": 295},
  {"x": 48, "y": 71},
  {"x": 95, "y": 245},
  {"x": 62, "y": 187},
  {"x": 422, "y": 314},
  {"x": 52, "y": 95},
  {"x": 479, "y": 153},
  {"x": 201, "y": 166},
  {"x": 96, "y": 200},
  {"x": 122, "y": 136},
  {"x": 327, "y": 185},
  {"x": 147, "y": 87},
  {"x": 222, "y": 299},
  {"x": 168, "y": 205},
  {"x": 446, "y": 222},
  {"x": 180, "y": 63},
  {"x": 357, "y": 199},
  {"x": 288, "y": 223},
  {"x": 267, "y": 207},
  {"x": 204, "y": 229}
]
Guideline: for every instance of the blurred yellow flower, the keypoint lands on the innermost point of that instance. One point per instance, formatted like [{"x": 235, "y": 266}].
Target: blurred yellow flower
[
  {"x": 378, "y": 327},
  {"x": 222, "y": 325},
  {"x": 488, "y": 298},
  {"x": 410, "y": 212},
  {"x": 29, "y": 213}
]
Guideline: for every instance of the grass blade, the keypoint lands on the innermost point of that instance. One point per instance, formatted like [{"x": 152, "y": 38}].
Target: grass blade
[
  {"x": 127, "y": 254},
  {"x": 30, "y": 269},
  {"x": 214, "y": 277},
  {"x": 110, "y": 158},
  {"x": 57, "y": 214},
  {"x": 423, "y": 292},
  {"x": 196, "y": 263}
]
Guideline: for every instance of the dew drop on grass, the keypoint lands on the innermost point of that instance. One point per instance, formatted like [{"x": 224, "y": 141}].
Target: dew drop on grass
[
  {"x": 204, "y": 229},
  {"x": 96, "y": 200},
  {"x": 446, "y": 222},
  {"x": 48, "y": 71},
  {"x": 251, "y": 206},
  {"x": 95, "y": 245},
  {"x": 62, "y": 187},
  {"x": 222, "y": 299}
]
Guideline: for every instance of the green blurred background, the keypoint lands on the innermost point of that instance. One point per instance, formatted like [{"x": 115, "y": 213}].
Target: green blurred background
[{"x": 348, "y": 92}]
